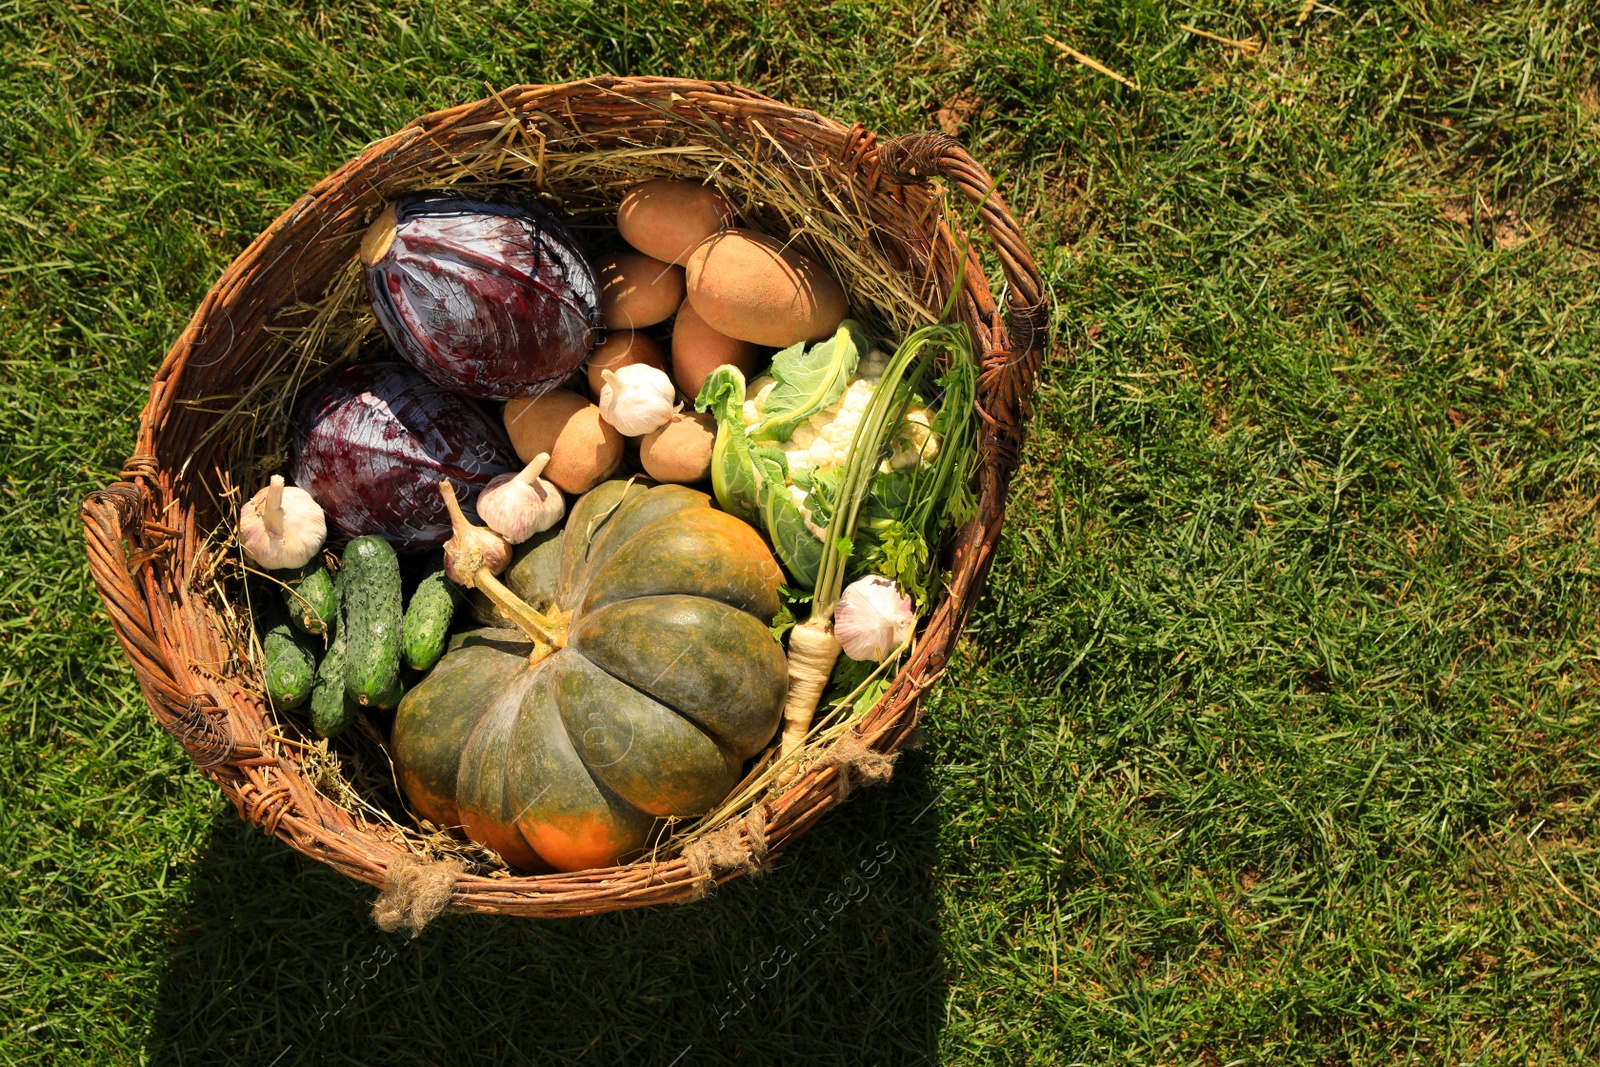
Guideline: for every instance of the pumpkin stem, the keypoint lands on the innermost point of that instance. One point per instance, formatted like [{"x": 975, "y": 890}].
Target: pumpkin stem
[{"x": 540, "y": 627}]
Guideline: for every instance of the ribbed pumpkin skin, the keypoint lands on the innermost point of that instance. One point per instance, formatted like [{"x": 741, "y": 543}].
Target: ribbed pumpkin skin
[{"x": 670, "y": 680}]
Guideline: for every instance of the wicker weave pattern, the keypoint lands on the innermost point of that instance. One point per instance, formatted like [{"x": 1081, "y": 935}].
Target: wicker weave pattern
[{"x": 146, "y": 532}]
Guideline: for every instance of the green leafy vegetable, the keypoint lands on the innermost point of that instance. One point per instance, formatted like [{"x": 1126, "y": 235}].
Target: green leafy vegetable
[
  {"x": 751, "y": 479},
  {"x": 795, "y": 542},
  {"x": 918, "y": 507},
  {"x": 808, "y": 380},
  {"x": 734, "y": 478},
  {"x": 782, "y": 622},
  {"x": 890, "y": 399}
]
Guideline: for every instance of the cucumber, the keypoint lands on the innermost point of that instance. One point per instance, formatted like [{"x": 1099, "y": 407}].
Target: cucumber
[
  {"x": 331, "y": 710},
  {"x": 311, "y": 598},
  {"x": 290, "y": 665},
  {"x": 427, "y": 621},
  {"x": 372, "y": 623}
]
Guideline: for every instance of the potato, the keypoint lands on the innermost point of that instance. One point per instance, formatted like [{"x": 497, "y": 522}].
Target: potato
[
  {"x": 622, "y": 348},
  {"x": 637, "y": 291},
  {"x": 680, "y": 451},
  {"x": 583, "y": 447},
  {"x": 380, "y": 236},
  {"x": 697, "y": 350},
  {"x": 751, "y": 287},
  {"x": 667, "y": 219}
]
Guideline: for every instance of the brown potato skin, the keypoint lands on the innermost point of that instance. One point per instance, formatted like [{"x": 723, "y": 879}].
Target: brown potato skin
[
  {"x": 751, "y": 287},
  {"x": 680, "y": 451},
  {"x": 666, "y": 219},
  {"x": 697, "y": 350},
  {"x": 637, "y": 290},
  {"x": 622, "y": 348},
  {"x": 583, "y": 447}
]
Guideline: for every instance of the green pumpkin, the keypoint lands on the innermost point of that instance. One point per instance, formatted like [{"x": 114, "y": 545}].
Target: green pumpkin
[{"x": 669, "y": 680}]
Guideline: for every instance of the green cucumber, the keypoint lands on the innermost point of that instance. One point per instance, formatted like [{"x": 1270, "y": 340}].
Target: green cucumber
[
  {"x": 372, "y": 623},
  {"x": 311, "y": 598},
  {"x": 331, "y": 710},
  {"x": 290, "y": 666},
  {"x": 428, "y": 618}
]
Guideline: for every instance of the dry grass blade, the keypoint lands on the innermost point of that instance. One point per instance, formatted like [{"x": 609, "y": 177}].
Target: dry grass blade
[
  {"x": 1249, "y": 46},
  {"x": 1090, "y": 62}
]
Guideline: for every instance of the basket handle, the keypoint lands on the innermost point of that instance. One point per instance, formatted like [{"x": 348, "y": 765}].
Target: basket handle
[
  {"x": 109, "y": 516},
  {"x": 915, "y": 158}
]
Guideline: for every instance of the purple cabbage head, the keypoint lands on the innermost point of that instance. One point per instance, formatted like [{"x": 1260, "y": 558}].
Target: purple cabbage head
[
  {"x": 372, "y": 442},
  {"x": 491, "y": 300}
]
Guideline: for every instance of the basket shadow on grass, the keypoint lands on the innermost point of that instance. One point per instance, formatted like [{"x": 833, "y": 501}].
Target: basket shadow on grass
[{"x": 833, "y": 956}]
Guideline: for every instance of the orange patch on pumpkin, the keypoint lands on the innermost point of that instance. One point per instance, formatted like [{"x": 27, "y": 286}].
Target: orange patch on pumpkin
[{"x": 580, "y": 844}]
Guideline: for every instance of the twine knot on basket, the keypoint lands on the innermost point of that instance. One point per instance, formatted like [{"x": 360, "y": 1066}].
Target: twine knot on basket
[
  {"x": 738, "y": 846},
  {"x": 415, "y": 891},
  {"x": 859, "y": 764}
]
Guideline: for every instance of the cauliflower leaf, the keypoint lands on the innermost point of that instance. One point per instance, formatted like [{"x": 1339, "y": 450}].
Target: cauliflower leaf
[
  {"x": 751, "y": 479},
  {"x": 734, "y": 477},
  {"x": 808, "y": 380}
]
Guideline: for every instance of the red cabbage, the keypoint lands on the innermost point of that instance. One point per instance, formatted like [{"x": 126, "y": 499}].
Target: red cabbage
[
  {"x": 373, "y": 441},
  {"x": 490, "y": 300}
]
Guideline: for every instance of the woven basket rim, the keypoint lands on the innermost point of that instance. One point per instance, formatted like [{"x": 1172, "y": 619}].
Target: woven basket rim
[{"x": 146, "y": 535}]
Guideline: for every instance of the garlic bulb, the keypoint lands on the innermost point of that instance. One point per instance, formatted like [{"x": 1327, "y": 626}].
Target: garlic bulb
[
  {"x": 636, "y": 399},
  {"x": 517, "y": 506},
  {"x": 471, "y": 549},
  {"x": 872, "y": 618},
  {"x": 282, "y": 527}
]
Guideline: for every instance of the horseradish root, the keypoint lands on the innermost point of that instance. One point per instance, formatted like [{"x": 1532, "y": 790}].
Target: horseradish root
[{"x": 813, "y": 650}]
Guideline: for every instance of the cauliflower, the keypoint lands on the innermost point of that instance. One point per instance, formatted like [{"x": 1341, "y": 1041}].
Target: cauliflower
[
  {"x": 810, "y": 408},
  {"x": 783, "y": 458},
  {"x": 914, "y": 441},
  {"x": 823, "y": 440}
]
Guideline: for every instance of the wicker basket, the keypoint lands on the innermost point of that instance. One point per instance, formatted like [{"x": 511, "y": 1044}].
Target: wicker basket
[{"x": 215, "y": 411}]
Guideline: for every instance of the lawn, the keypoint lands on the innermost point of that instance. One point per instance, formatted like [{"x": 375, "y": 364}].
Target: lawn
[{"x": 1273, "y": 740}]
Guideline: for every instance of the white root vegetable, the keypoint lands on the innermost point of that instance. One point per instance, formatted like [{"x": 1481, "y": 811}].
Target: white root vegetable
[{"x": 813, "y": 650}]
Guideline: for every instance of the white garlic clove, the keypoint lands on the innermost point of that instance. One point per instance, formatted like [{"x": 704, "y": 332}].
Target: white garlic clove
[
  {"x": 636, "y": 399},
  {"x": 517, "y": 506},
  {"x": 282, "y": 527},
  {"x": 872, "y": 619}
]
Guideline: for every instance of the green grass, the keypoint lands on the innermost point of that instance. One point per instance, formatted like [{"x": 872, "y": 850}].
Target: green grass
[{"x": 1274, "y": 739}]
